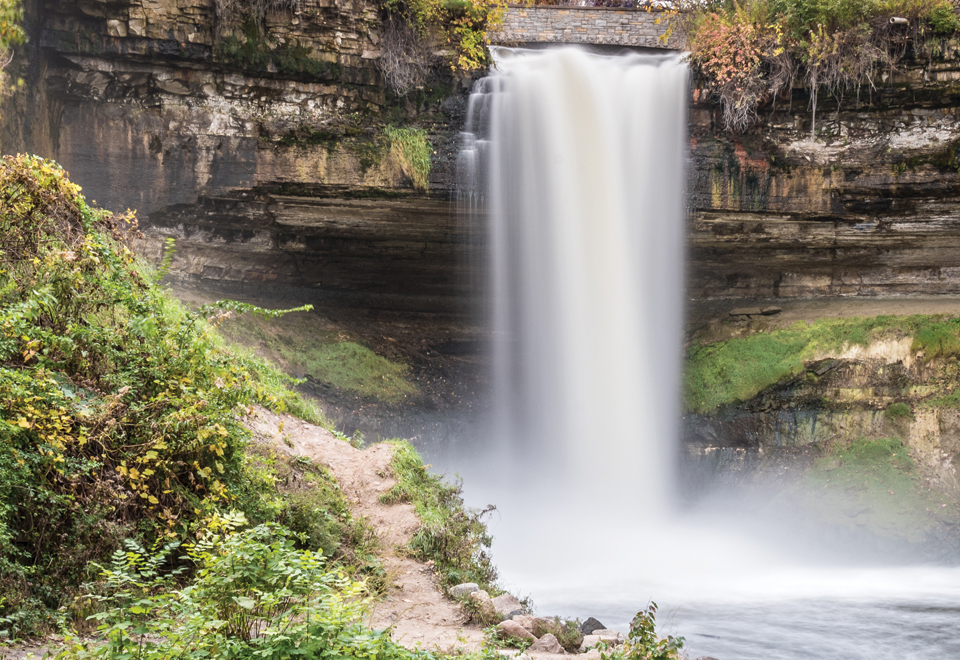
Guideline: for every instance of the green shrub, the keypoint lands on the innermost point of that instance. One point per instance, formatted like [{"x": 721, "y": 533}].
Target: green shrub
[
  {"x": 254, "y": 595},
  {"x": 943, "y": 20},
  {"x": 567, "y": 632},
  {"x": 119, "y": 410},
  {"x": 454, "y": 537},
  {"x": 642, "y": 642},
  {"x": 898, "y": 410}
]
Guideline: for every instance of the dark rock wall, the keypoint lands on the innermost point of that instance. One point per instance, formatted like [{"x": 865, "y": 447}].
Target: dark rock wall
[{"x": 141, "y": 103}]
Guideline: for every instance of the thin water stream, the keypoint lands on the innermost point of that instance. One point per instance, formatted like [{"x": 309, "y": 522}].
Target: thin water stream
[{"x": 578, "y": 162}]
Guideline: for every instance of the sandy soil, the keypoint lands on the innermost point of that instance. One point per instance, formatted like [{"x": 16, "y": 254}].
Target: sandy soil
[{"x": 416, "y": 608}]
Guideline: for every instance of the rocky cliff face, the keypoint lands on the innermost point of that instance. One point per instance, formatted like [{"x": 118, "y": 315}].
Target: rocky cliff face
[
  {"x": 255, "y": 143},
  {"x": 216, "y": 130},
  {"x": 870, "y": 208}
]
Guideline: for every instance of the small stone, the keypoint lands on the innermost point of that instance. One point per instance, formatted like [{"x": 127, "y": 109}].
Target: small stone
[
  {"x": 525, "y": 620},
  {"x": 746, "y": 311},
  {"x": 507, "y": 605},
  {"x": 484, "y": 602},
  {"x": 591, "y": 624},
  {"x": 116, "y": 29},
  {"x": 589, "y": 641},
  {"x": 770, "y": 311},
  {"x": 548, "y": 644},
  {"x": 464, "y": 589},
  {"x": 510, "y": 628}
]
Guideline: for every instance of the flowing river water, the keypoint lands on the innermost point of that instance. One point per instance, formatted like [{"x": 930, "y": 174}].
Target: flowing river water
[{"x": 577, "y": 161}]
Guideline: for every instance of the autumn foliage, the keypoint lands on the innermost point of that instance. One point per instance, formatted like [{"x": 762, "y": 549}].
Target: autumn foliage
[{"x": 752, "y": 51}]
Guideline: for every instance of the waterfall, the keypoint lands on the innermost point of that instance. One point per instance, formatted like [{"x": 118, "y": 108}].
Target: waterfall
[{"x": 578, "y": 161}]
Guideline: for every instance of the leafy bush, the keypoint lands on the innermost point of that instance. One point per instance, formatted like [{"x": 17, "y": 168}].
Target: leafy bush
[
  {"x": 567, "y": 632},
  {"x": 119, "y": 410},
  {"x": 453, "y": 537},
  {"x": 642, "y": 642},
  {"x": 254, "y": 595},
  {"x": 461, "y": 25},
  {"x": 943, "y": 20}
]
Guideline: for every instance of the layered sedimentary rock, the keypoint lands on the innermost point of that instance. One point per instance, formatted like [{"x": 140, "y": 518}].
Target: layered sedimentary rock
[
  {"x": 163, "y": 106},
  {"x": 870, "y": 208},
  {"x": 166, "y": 107}
]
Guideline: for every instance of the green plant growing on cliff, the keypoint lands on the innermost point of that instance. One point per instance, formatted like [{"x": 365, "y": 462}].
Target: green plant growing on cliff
[
  {"x": 252, "y": 50},
  {"x": 461, "y": 25},
  {"x": 898, "y": 410},
  {"x": 12, "y": 34},
  {"x": 736, "y": 369},
  {"x": 119, "y": 409},
  {"x": 451, "y": 535},
  {"x": 228, "y": 11},
  {"x": 412, "y": 149},
  {"x": 752, "y": 50}
]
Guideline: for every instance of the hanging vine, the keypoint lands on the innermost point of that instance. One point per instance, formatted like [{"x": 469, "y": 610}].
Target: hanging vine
[
  {"x": 753, "y": 50},
  {"x": 415, "y": 29}
]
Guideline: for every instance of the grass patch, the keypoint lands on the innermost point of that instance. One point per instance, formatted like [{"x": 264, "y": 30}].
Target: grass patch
[
  {"x": 898, "y": 410},
  {"x": 451, "y": 535},
  {"x": 877, "y": 483},
  {"x": 736, "y": 369},
  {"x": 412, "y": 149},
  {"x": 302, "y": 345}
]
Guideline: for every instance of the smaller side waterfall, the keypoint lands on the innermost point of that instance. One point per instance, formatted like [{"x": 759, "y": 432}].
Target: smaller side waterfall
[{"x": 578, "y": 160}]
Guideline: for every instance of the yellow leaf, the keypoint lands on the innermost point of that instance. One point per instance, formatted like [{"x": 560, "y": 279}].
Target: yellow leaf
[{"x": 153, "y": 500}]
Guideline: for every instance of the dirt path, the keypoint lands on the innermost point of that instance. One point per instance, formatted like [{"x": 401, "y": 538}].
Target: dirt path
[
  {"x": 811, "y": 309},
  {"x": 416, "y": 608}
]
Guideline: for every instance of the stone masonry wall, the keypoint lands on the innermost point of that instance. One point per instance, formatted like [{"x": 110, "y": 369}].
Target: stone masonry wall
[{"x": 589, "y": 25}]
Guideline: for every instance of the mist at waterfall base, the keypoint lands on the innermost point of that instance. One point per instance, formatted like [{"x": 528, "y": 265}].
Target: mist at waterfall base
[{"x": 577, "y": 161}]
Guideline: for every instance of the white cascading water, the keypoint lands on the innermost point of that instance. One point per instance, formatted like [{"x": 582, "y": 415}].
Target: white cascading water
[
  {"x": 577, "y": 162},
  {"x": 583, "y": 182}
]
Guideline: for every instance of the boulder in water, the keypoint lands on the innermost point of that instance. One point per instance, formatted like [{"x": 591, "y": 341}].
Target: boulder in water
[{"x": 591, "y": 624}]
